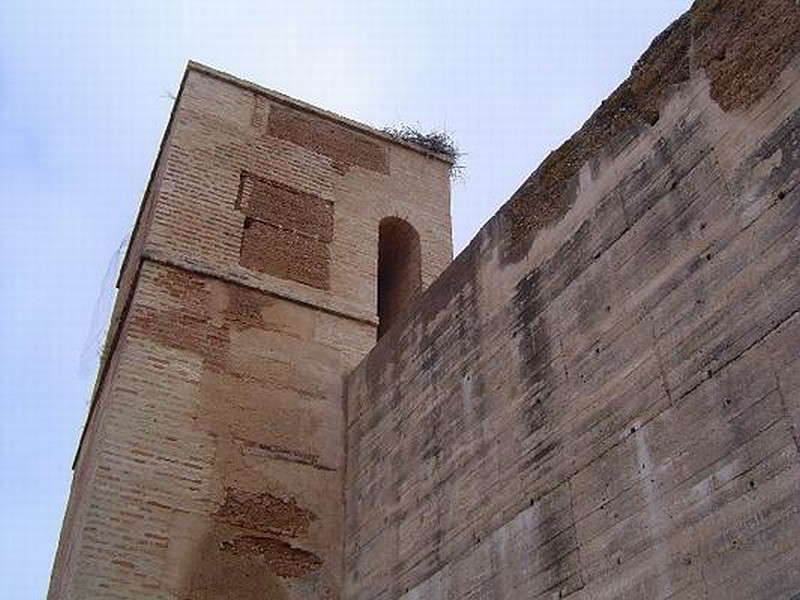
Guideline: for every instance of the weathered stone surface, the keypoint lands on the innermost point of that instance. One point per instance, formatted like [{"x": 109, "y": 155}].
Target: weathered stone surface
[{"x": 597, "y": 399}]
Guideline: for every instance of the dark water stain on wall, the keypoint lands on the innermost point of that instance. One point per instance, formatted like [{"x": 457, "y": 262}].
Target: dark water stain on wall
[{"x": 534, "y": 347}]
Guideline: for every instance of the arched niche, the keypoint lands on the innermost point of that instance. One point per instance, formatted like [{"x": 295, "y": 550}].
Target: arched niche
[{"x": 399, "y": 270}]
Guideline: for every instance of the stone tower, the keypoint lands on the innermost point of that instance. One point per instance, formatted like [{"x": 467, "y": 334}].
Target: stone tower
[{"x": 274, "y": 242}]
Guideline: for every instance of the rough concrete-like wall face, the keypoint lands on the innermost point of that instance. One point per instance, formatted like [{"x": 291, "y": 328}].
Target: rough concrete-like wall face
[{"x": 599, "y": 397}]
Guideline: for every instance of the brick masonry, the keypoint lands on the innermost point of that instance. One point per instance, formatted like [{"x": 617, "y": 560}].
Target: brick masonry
[
  {"x": 599, "y": 398},
  {"x": 212, "y": 462}
]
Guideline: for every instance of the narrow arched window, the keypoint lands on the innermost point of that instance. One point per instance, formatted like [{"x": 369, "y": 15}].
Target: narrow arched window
[{"x": 399, "y": 270}]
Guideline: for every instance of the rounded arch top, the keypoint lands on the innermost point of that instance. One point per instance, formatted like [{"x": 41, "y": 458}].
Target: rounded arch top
[{"x": 399, "y": 270}]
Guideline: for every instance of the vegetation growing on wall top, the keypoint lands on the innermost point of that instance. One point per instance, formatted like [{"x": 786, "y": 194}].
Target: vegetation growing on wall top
[{"x": 439, "y": 142}]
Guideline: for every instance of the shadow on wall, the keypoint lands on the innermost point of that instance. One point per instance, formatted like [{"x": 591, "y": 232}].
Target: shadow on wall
[{"x": 399, "y": 270}]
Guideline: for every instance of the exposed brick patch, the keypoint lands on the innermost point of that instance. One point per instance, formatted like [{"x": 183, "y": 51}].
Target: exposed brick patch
[
  {"x": 264, "y": 512},
  {"x": 285, "y": 254},
  {"x": 278, "y": 204},
  {"x": 218, "y": 570},
  {"x": 282, "y": 558},
  {"x": 183, "y": 331},
  {"x": 286, "y": 232},
  {"x": 245, "y": 306},
  {"x": 345, "y": 147},
  {"x": 192, "y": 327}
]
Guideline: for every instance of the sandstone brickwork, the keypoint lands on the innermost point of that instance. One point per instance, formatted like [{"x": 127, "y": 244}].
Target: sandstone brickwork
[
  {"x": 599, "y": 398},
  {"x": 212, "y": 462}
]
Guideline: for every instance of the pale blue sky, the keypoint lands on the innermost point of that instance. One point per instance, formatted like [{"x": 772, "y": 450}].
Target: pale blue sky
[{"x": 84, "y": 98}]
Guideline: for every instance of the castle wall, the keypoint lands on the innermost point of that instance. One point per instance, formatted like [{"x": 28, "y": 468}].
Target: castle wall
[
  {"x": 212, "y": 461},
  {"x": 600, "y": 398}
]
